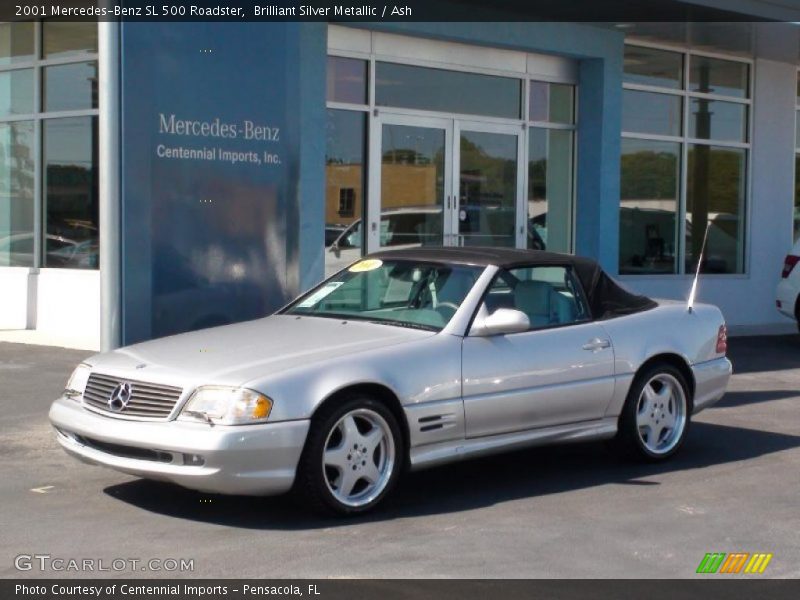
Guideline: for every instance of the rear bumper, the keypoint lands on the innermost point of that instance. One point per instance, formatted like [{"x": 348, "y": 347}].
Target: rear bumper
[
  {"x": 243, "y": 459},
  {"x": 786, "y": 295},
  {"x": 710, "y": 382}
]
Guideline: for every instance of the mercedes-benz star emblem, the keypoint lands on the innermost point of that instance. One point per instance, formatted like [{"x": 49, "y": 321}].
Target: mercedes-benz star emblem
[{"x": 120, "y": 396}]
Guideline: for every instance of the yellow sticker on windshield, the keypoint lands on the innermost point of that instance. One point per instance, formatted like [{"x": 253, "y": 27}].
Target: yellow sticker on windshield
[{"x": 366, "y": 265}]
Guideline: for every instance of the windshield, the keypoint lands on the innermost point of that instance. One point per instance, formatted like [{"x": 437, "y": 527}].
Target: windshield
[{"x": 394, "y": 292}]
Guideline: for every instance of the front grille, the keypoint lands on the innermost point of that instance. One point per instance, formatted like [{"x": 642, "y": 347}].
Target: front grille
[{"x": 148, "y": 400}]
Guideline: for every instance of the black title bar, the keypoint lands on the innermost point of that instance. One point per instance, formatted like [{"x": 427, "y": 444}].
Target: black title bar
[{"x": 409, "y": 10}]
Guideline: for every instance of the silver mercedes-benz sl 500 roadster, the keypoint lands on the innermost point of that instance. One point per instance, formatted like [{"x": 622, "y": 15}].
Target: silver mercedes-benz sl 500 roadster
[{"x": 406, "y": 359}]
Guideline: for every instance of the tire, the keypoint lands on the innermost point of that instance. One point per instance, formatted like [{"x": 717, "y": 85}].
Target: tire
[
  {"x": 355, "y": 443},
  {"x": 669, "y": 405}
]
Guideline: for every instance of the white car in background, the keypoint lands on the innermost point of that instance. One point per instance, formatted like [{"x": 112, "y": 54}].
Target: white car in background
[{"x": 788, "y": 292}]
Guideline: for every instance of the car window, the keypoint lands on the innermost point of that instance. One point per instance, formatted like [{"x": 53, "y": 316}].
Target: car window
[
  {"x": 549, "y": 296},
  {"x": 395, "y": 292}
]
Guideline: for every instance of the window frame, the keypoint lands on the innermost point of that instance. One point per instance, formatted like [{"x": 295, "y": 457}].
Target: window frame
[
  {"x": 38, "y": 64},
  {"x": 685, "y": 141}
]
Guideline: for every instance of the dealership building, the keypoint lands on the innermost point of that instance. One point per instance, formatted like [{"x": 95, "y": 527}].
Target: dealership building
[{"x": 163, "y": 177}]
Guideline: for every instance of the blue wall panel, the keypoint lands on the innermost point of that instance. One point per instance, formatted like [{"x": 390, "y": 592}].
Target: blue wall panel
[{"x": 211, "y": 165}]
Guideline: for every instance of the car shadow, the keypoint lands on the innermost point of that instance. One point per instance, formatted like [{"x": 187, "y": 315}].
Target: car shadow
[
  {"x": 764, "y": 353},
  {"x": 744, "y": 397},
  {"x": 466, "y": 485}
]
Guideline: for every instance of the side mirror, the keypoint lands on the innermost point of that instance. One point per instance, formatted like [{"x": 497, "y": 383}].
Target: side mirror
[
  {"x": 501, "y": 322},
  {"x": 335, "y": 249}
]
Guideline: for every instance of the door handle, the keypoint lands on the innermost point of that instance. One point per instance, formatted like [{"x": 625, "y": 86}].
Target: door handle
[{"x": 596, "y": 344}]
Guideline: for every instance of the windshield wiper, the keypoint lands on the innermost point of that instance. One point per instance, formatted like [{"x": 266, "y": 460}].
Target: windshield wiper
[{"x": 403, "y": 324}]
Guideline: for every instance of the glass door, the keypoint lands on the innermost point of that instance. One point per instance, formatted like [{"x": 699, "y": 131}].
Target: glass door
[
  {"x": 445, "y": 182},
  {"x": 489, "y": 184},
  {"x": 414, "y": 183}
]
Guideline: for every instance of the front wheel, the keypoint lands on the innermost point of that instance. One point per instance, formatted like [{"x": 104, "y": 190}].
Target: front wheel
[
  {"x": 353, "y": 456},
  {"x": 656, "y": 415}
]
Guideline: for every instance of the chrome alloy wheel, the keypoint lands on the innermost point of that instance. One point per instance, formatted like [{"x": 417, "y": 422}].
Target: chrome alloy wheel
[
  {"x": 661, "y": 413},
  {"x": 358, "y": 457}
]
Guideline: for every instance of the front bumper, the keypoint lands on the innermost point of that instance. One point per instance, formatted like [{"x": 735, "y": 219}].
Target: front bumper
[
  {"x": 243, "y": 459},
  {"x": 710, "y": 382}
]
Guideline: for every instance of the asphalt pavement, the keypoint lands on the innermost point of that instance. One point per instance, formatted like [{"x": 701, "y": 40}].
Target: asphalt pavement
[{"x": 567, "y": 511}]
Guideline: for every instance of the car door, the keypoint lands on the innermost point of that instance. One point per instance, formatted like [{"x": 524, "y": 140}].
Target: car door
[{"x": 560, "y": 371}]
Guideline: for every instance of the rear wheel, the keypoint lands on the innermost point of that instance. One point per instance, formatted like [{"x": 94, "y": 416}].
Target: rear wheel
[
  {"x": 656, "y": 415},
  {"x": 352, "y": 458}
]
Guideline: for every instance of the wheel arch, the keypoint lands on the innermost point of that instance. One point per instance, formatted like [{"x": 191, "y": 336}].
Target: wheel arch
[
  {"x": 383, "y": 394},
  {"x": 674, "y": 360}
]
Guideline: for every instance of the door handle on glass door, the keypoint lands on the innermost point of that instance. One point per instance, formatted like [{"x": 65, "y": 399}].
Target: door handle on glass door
[{"x": 596, "y": 345}]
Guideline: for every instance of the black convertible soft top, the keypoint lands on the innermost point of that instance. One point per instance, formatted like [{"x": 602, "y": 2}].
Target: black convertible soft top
[{"x": 607, "y": 299}]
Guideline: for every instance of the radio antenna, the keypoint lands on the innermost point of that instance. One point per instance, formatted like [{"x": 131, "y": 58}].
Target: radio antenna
[{"x": 693, "y": 292}]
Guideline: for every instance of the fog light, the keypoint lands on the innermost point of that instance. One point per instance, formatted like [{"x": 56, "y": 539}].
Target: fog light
[{"x": 193, "y": 460}]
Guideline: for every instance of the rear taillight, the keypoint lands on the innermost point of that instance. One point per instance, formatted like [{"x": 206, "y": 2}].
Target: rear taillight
[
  {"x": 722, "y": 339},
  {"x": 788, "y": 264}
]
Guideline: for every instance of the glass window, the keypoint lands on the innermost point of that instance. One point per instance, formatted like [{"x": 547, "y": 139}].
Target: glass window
[
  {"x": 401, "y": 293},
  {"x": 716, "y": 76},
  {"x": 440, "y": 90},
  {"x": 549, "y": 296},
  {"x": 16, "y": 42},
  {"x": 647, "y": 66},
  {"x": 797, "y": 130},
  {"x": 68, "y": 38},
  {"x": 16, "y": 194},
  {"x": 552, "y": 102},
  {"x": 487, "y": 194},
  {"x": 344, "y": 174},
  {"x": 347, "y": 80},
  {"x": 647, "y": 112},
  {"x": 70, "y": 183},
  {"x": 412, "y": 185},
  {"x": 716, "y": 120},
  {"x": 797, "y": 100},
  {"x": 648, "y": 214},
  {"x": 16, "y": 92},
  {"x": 549, "y": 189},
  {"x": 660, "y": 196},
  {"x": 70, "y": 87},
  {"x": 715, "y": 192}
]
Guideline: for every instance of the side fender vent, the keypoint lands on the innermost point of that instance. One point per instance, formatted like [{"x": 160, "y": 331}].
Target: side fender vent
[{"x": 435, "y": 422}]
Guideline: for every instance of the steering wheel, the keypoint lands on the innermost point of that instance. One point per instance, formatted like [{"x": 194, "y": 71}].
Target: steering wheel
[{"x": 450, "y": 309}]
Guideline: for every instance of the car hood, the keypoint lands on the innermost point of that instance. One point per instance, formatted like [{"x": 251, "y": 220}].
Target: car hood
[{"x": 236, "y": 354}]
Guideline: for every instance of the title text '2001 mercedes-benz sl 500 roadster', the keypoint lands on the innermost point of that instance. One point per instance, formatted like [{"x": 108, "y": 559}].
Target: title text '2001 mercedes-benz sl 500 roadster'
[{"x": 405, "y": 359}]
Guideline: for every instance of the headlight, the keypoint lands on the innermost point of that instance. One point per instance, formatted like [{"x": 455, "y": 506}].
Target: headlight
[
  {"x": 76, "y": 383},
  {"x": 226, "y": 406}
]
